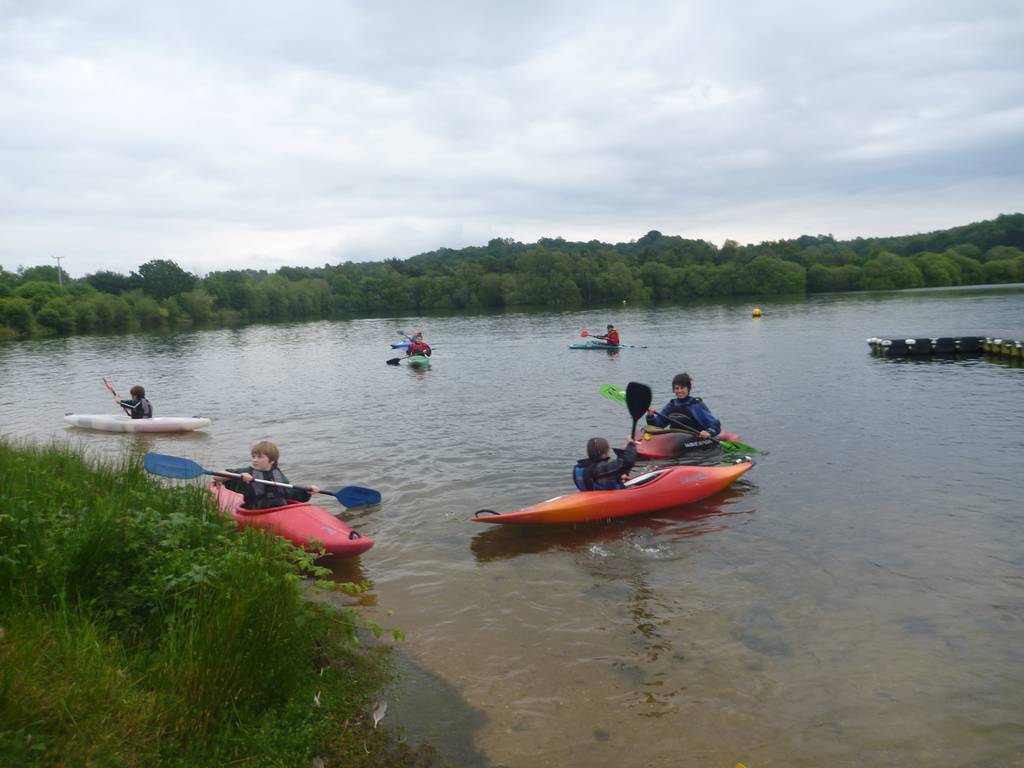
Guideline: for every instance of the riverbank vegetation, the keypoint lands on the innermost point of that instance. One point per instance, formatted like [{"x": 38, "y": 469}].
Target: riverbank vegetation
[
  {"x": 508, "y": 274},
  {"x": 139, "y": 628}
]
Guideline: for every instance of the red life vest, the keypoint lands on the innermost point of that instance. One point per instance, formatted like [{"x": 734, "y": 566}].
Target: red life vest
[
  {"x": 612, "y": 337},
  {"x": 419, "y": 348}
]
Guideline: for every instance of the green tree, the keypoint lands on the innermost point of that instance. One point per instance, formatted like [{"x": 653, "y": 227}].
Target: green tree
[
  {"x": 38, "y": 293},
  {"x": 146, "y": 310},
  {"x": 887, "y": 271},
  {"x": 16, "y": 313},
  {"x": 57, "y": 315},
  {"x": 110, "y": 282},
  {"x": 46, "y": 273},
  {"x": 197, "y": 304},
  {"x": 162, "y": 278}
]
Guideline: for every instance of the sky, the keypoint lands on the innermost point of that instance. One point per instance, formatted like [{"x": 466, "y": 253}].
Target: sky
[{"x": 254, "y": 135}]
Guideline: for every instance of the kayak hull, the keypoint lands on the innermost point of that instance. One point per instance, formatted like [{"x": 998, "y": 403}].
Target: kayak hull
[
  {"x": 418, "y": 361},
  {"x": 661, "y": 489},
  {"x": 593, "y": 345},
  {"x": 674, "y": 444},
  {"x": 105, "y": 422},
  {"x": 305, "y": 525},
  {"x": 401, "y": 344}
]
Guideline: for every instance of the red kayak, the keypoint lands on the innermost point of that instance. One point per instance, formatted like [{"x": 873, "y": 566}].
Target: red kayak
[
  {"x": 657, "y": 443},
  {"x": 303, "y": 524},
  {"x": 651, "y": 492}
]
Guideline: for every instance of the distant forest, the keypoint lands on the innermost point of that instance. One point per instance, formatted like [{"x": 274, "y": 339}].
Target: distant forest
[{"x": 550, "y": 273}]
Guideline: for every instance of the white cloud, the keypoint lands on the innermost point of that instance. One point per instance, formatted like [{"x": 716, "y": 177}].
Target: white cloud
[{"x": 323, "y": 131}]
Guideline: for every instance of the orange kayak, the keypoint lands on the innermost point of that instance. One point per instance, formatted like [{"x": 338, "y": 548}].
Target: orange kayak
[
  {"x": 303, "y": 524},
  {"x": 661, "y": 489}
]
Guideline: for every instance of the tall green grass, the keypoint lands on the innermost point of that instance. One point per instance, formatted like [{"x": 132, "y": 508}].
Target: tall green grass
[{"x": 138, "y": 627}]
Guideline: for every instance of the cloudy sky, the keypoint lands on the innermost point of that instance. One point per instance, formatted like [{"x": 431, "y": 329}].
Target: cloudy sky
[{"x": 258, "y": 134}]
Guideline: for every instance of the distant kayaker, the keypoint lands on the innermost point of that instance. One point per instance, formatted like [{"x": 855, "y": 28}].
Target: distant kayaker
[
  {"x": 138, "y": 407},
  {"x": 417, "y": 346},
  {"x": 264, "y": 467},
  {"x": 611, "y": 337},
  {"x": 599, "y": 471},
  {"x": 686, "y": 410}
]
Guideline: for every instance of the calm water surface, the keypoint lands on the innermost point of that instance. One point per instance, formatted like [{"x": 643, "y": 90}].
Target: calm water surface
[{"x": 858, "y": 599}]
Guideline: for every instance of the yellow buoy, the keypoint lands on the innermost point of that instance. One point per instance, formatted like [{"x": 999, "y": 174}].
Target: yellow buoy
[{"x": 756, "y": 312}]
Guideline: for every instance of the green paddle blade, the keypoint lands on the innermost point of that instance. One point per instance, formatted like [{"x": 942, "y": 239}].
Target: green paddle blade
[{"x": 613, "y": 392}]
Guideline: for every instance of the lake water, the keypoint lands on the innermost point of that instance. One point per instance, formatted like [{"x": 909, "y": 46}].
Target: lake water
[{"x": 857, "y": 599}]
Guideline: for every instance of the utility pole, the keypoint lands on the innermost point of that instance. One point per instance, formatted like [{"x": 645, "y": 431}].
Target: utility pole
[{"x": 60, "y": 276}]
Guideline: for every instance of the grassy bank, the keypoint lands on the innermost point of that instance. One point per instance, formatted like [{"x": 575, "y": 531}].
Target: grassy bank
[{"x": 137, "y": 627}]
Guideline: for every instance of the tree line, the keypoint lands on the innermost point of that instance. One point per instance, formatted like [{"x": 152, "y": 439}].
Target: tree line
[{"x": 508, "y": 274}]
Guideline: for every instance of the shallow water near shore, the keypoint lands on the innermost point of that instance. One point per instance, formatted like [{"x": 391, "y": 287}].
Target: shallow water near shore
[{"x": 856, "y": 599}]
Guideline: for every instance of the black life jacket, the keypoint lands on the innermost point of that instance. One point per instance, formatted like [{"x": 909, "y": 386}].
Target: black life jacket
[
  {"x": 584, "y": 477},
  {"x": 138, "y": 409},
  {"x": 268, "y": 496},
  {"x": 684, "y": 416}
]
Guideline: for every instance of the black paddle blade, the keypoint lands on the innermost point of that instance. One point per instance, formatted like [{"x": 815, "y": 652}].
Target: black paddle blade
[
  {"x": 638, "y": 399},
  {"x": 394, "y": 361}
]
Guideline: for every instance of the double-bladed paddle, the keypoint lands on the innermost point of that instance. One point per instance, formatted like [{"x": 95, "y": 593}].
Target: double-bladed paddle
[
  {"x": 586, "y": 334},
  {"x": 618, "y": 395},
  {"x": 186, "y": 469}
]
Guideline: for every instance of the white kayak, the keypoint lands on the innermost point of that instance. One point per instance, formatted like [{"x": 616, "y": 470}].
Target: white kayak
[{"x": 112, "y": 423}]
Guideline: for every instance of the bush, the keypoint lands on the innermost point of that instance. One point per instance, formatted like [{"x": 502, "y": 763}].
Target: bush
[
  {"x": 142, "y": 629},
  {"x": 16, "y": 314},
  {"x": 57, "y": 315}
]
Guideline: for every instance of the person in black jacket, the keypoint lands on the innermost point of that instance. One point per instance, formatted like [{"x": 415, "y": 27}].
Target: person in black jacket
[
  {"x": 599, "y": 471},
  {"x": 138, "y": 407},
  {"x": 264, "y": 467}
]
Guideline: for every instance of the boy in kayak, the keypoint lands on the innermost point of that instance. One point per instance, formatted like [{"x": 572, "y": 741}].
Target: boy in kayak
[
  {"x": 264, "y": 467},
  {"x": 138, "y": 407},
  {"x": 599, "y": 471},
  {"x": 418, "y": 346},
  {"x": 686, "y": 410},
  {"x": 611, "y": 337}
]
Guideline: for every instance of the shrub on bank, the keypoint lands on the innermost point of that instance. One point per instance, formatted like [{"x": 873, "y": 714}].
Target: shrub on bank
[{"x": 139, "y": 628}]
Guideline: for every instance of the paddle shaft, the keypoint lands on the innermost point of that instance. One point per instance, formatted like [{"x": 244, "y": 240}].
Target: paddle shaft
[{"x": 267, "y": 482}]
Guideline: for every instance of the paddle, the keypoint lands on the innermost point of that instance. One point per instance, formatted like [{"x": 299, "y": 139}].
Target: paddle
[
  {"x": 618, "y": 395},
  {"x": 186, "y": 469},
  {"x": 397, "y": 360},
  {"x": 110, "y": 386},
  {"x": 585, "y": 334},
  {"x": 638, "y": 400}
]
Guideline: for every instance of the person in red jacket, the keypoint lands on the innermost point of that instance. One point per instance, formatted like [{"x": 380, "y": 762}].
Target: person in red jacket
[
  {"x": 418, "y": 346},
  {"x": 612, "y": 337}
]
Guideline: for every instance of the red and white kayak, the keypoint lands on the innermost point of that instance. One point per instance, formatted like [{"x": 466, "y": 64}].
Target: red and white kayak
[
  {"x": 658, "y": 443},
  {"x": 303, "y": 524},
  {"x": 661, "y": 489}
]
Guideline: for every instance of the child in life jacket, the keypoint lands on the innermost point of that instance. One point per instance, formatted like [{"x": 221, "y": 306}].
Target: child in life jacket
[
  {"x": 418, "y": 346},
  {"x": 264, "y": 467},
  {"x": 600, "y": 471},
  {"x": 683, "y": 409}
]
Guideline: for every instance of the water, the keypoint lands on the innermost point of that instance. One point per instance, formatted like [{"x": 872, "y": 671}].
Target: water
[{"x": 856, "y": 600}]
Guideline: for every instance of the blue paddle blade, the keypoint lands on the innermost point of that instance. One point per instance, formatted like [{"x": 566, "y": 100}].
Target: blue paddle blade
[
  {"x": 172, "y": 466},
  {"x": 357, "y": 496}
]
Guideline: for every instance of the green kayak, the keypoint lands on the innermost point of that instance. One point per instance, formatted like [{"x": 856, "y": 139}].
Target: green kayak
[{"x": 418, "y": 361}]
